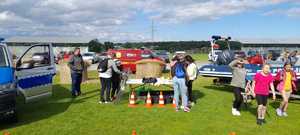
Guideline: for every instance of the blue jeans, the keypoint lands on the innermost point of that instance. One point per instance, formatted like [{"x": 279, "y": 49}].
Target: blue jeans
[
  {"x": 105, "y": 89},
  {"x": 76, "y": 82},
  {"x": 180, "y": 88}
]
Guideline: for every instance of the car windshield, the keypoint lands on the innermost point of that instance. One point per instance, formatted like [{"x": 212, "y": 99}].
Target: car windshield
[
  {"x": 87, "y": 54},
  {"x": 3, "y": 57}
]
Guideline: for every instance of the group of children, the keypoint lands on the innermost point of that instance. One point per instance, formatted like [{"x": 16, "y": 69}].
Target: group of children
[{"x": 262, "y": 82}]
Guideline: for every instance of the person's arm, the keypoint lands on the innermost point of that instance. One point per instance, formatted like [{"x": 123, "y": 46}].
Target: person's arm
[
  {"x": 71, "y": 63},
  {"x": 252, "y": 89},
  {"x": 82, "y": 63},
  {"x": 233, "y": 64},
  {"x": 115, "y": 68},
  {"x": 273, "y": 90}
]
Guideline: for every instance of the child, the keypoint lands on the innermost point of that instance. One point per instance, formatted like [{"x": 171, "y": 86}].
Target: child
[
  {"x": 287, "y": 83},
  {"x": 192, "y": 75},
  {"x": 238, "y": 82},
  {"x": 261, "y": 85}
]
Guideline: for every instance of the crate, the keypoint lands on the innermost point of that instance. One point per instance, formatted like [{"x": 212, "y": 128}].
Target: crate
[{"x": 149, "y": 68}]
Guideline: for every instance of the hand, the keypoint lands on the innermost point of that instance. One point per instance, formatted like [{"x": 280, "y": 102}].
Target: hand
[
  {"x": 254, "y": 95},
  {"x": 274, "y": 97}
]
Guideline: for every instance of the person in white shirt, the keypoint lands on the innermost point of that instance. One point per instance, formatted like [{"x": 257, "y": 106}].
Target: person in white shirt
[
  {"x": 106, "y": 68},
  {"x": 192, "y": 72}
]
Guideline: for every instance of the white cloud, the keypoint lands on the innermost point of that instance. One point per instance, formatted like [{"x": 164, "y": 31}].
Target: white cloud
[
  {"x": 106, "y": 19},
  {"x": 290, "y": 12},
  {"x": 95, "y": 18},
  {"x": 180, "y": 11}
]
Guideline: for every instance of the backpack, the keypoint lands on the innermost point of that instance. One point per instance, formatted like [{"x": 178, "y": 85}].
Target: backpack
[
  {"x": 179, "y": 70},
  {"x": 103, "y": 66}
]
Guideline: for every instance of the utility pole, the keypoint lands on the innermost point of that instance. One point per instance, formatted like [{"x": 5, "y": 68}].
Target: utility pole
[{"x": 152, "y": 32}]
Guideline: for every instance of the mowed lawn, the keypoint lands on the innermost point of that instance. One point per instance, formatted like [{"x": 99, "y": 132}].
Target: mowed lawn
[
  {"x": 63, "y": 115},
  {"x": 200, "y": 56}
]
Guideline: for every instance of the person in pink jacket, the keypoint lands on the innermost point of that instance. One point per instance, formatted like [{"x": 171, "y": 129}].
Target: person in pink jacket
[
  {"x": 287, "y": 84},
  {"x": 262, "y": 83}
]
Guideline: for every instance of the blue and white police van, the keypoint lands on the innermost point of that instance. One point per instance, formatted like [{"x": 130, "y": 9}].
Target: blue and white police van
[{"x": 30, "y": 76}]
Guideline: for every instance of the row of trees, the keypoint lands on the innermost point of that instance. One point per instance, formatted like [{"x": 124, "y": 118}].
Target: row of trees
[{"x": 171, "y": 46}]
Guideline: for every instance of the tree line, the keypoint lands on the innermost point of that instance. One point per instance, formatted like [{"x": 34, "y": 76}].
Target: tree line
[{"x": 171, "y": 46}]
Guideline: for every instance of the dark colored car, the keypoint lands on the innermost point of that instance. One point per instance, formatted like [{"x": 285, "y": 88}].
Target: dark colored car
[{"x": 163, "y": 54}]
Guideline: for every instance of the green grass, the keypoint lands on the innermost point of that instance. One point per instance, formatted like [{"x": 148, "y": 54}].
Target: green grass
[
  {"x": 200, "y": 57},
  {"x": 62, "y": 115}
]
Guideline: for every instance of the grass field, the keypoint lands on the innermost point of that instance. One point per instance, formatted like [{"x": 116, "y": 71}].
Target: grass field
[
  {"x": 200, "y": 56},
  {"x": 63, "y": 115}
]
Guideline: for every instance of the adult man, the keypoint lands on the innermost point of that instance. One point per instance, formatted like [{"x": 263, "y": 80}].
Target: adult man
[{"x": 76, "y": 65}]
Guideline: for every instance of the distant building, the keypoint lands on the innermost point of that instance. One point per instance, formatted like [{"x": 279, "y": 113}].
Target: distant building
[
  {"x": 270, "y": 44},
  {"x": 19, "y": 44}
]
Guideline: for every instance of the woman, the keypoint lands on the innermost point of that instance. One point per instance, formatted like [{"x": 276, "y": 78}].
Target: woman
[
  {"x": 287, "y": 83},
  {"x": 238, "y": 82},
  {"x": 178, "y": 72},
  {"x": 262, "y": 82},
  {"x": 191, "y": 76}
]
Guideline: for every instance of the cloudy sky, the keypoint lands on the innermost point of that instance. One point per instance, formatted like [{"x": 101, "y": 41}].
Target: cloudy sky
[{"x": 130, "y": 20}]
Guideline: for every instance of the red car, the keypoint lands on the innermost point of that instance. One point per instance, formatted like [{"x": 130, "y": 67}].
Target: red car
[{"x": 128, "y": 57}]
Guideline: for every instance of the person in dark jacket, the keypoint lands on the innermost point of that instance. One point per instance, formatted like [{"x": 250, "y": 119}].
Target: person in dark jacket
[
  {"x": 76, "y": 65},
  {"x": 116, "y": 80}
]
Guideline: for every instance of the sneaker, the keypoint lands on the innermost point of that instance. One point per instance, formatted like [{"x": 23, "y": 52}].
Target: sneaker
[
  {"x": 186, "y": 109},
  {"x": 279, "y": 112},
  {"x": 101, "y": 102},
  {"x": 192, "y": 103},
  {"x": 237, "y": 113},
  {"x": 233, "y": 111},
  {"x": 284, "y": 114}
]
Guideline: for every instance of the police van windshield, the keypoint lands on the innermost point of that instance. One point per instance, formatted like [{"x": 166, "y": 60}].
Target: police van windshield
[{"x": 3, "y": 57}]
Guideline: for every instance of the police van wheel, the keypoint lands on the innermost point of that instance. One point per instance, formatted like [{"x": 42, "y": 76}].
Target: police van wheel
[{"x": 13, "y": 118}]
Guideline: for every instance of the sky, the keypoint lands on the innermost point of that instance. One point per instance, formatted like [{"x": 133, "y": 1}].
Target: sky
[{"x": 131, "y": 20}]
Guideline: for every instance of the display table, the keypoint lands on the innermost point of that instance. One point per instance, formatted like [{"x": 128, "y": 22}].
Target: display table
[{"x": 136, "y": 83}]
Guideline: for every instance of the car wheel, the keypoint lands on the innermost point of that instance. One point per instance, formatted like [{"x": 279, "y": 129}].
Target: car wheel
[{"x": 13, "y": 117}]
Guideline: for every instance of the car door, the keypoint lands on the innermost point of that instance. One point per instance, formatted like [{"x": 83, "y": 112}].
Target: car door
[{"x": 35, "y": 70}]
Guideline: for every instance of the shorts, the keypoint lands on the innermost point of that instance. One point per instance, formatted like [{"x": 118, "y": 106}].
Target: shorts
[
  {"x": 287, "y": 94},
  {"x": 262, "y": 99}
]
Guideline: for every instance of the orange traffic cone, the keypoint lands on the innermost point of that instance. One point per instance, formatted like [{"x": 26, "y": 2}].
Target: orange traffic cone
[
  {"x": 232, "y": 133},
  {"x": 148, "y": 101},
  {"x": 132, "y": 99},
  {"x": 133, "y": 132},
  {"x": 161, "y": 101},
  {"x": 174, "y": 103},
  {"x": 6, "y": 133}
]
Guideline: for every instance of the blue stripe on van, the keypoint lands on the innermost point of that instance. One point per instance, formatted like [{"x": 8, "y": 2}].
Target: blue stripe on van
[
  {"x": 35, "y": 81},
  {"x": 6, "y": 75}
]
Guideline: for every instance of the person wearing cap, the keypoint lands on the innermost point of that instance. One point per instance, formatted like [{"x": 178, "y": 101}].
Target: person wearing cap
[{"x": 238, "y": 82}]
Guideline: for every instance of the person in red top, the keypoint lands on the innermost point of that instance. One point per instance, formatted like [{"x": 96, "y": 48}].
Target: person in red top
[
  {"x": 261, "y": 85},
  {"x": 257, "y": 59}
]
